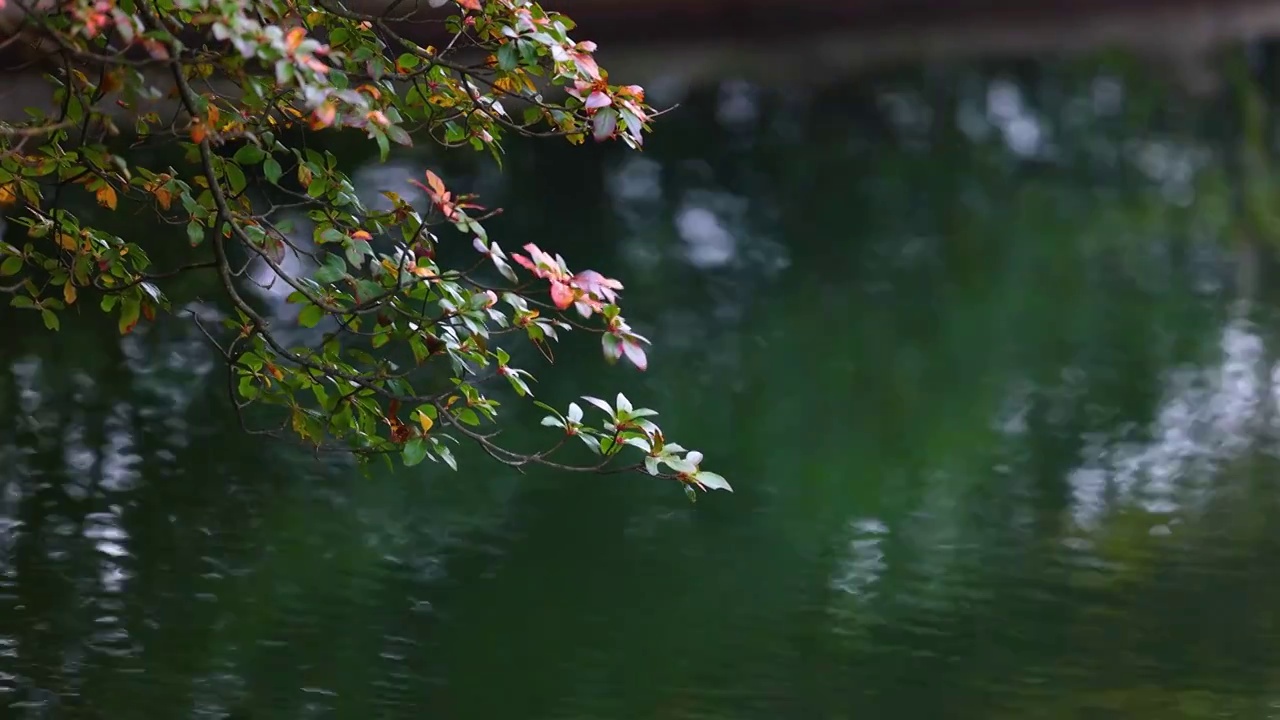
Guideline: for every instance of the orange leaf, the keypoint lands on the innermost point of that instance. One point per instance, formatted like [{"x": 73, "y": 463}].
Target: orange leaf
[
  {"x": 294, "y": 38},
  {"x": 69, "y": 293},
  {"x": 436, "y": 184},
  {"x": 361, "y": 235},
  {"x": 111, "y": 81},
  {"x": 8, "y": 194},
  {"x": 198, "y": 132},
  {"x": 324, "y": 116},
  {"x": 106, "y": 196}
]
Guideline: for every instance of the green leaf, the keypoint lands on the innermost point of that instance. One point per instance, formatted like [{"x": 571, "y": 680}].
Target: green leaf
[
  {"x": 415, "y": 451},
  {"x": 521, "y": 388},
  {"x": 384, "y": 147},
  {"x": 250, "y": 154},
  {"x": 272, "y": 170},
  {"x": 507, "y": 57},
  {"x": 310, "y": 316},
  {"x": 604, "y": 123},
  {"x": 11, "y": 266},
  {"x": 334, "y": 269},
  {"x": 399, "y": 136},
  {"x": 330, "y": 235},
  {"x": 129, "y": 310},
  {"x": 446, "y": 456},
  {"x": 195, "y": 233},
  {"x": 22, "y": 301},
  {"x": 235, "y": 178},
  {"x": 356, "y": 251},
  {"x": 50, "y": 319}
]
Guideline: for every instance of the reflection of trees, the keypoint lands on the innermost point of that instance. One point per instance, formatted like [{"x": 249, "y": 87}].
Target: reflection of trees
[
  {"x": 158, "y": 549},
  {"x": 942, "y": 271}
]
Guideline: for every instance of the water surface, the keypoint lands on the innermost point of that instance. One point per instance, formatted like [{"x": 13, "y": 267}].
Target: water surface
[{"x": 968, "y": 342}]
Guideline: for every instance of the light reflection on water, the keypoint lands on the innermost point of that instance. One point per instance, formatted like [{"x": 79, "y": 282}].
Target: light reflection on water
[{"x": 1208, "y": 417}]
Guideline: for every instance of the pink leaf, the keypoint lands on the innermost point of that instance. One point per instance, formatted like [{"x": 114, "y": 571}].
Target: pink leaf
[
  {"x": 587, "y": 65},
  {"x": 612, "y": 347},
  {"x": 523, "y": 261},
  {"x": 635, "y": 354},
  {"x": 561, "y": 295},
  {"x": 598, "y": 100}
]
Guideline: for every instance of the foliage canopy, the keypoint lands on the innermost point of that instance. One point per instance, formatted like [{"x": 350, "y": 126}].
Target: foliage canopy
[{"x": 247, "y": 80}]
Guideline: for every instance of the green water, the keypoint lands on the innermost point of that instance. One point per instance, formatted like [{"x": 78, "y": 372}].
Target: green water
[{"x": 965, "y": 341}]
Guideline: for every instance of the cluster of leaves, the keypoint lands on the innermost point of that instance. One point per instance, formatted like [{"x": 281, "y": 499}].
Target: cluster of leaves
[{"x": 244, "y": 78}]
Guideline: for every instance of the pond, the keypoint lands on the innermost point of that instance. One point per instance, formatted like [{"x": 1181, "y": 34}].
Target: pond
[{"x": 986, "y": 350}]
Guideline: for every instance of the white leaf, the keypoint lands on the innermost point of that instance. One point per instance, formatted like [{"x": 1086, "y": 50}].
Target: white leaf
[
  {"x": 599, "y": 403},
  {"x": 694, "y": 457},
  {"x": 680, "y": 465},
  {"x": 624, "y": 405},
  {"x": 575, "y": 412},
  {"x": 712, "y": 481}
]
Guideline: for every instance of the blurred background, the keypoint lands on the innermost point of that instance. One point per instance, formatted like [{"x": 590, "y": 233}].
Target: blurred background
[{"x": 972, "y": 301}]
